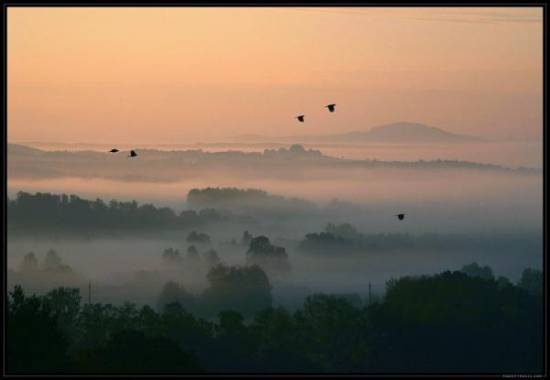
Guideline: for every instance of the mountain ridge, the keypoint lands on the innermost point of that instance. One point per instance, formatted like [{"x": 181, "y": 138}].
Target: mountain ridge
[{"x": 398, "y": 132}]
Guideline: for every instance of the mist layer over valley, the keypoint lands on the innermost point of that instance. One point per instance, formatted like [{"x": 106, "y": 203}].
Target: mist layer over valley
[
  {"x": 275, "y": 190},
  {"x": 334, "y": 218}
]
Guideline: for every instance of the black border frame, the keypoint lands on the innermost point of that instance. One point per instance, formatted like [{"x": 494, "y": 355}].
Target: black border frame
[{"x": 268, "y": 3}]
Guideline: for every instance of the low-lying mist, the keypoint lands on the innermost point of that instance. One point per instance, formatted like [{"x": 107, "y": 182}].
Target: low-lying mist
[
  {"x": 133, "y": 269},
  {"x": 455, "y": 214},
  {"x": 435, "y": 200}
]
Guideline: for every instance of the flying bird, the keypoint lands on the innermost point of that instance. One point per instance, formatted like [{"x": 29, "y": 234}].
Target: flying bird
[
  {"x": 300, "y": 118},
  {"x": 331, "y": 107},
  {"x": 401, "y": 216},
  {"x": 114, "y": 150},
  {"x": 132, "y": 154}
]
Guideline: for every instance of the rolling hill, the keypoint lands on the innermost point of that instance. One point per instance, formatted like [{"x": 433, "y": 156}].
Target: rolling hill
[{"x": 401, "y": 132}]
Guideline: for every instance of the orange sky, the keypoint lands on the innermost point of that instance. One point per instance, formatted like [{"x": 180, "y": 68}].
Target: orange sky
[{"x": 184, "y": 74}]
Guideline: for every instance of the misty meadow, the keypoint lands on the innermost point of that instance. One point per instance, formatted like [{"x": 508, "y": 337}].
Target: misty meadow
[
  {"x": 274, "y": 190},
  {"x": 279, "y": 280}
]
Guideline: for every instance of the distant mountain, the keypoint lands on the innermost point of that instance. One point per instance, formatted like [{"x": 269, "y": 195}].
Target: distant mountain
[
  {"x": 409, "y": 132},
  {"x": 401, "y": 132},
  {"x": 15, "y": 149}
]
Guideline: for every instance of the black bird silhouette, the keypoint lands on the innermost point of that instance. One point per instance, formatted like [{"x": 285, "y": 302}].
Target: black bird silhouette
[
  {"x": 401, "y": 216},
  {"x": 300, "y": 118},
  {"x": 114, "y": 150},
  {"x": 331, "y": 107},
  {"x": 132, "y": 154}
]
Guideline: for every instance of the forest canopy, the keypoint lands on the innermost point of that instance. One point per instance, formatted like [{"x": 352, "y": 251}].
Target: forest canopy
[{"x": 449, "y": 322}]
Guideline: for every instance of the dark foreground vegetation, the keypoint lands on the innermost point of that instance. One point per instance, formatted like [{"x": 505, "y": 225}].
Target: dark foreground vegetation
[{"x": 453, "y": 322}]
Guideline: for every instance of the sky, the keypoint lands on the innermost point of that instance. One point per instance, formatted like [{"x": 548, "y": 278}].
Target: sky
[{"x": 191, "y": 74}]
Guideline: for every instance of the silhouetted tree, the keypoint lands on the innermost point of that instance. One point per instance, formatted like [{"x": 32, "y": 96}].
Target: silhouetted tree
[
  {"x": 268, "y": 256},
  {"x": 52, "y": 261},
  {"x": 532, "y": 281},
  {"x": 280, "y": 344},
  {"x": 345, "y": 230},
  {"x": 35, "y": 343},
  {"x": 246, "y": 238},
  {"x": 211, "y": 258},
  {"x": 130, "y": 351},
  {"x": 198, "y": 237},
  {"x": 171, "y": 256},
  {"x": 475, "y": 270},
  {"x": 234, "y": 345},
  {"x": 449, "y": 322},
  {"x": 456, "y": 323},
  {"x": 172, "y": 292},
  {"x": 503, "y": 282},
  {"x": 334, "y": 332},
  {"x": 65, "y": 306},
  {"x": 29, "y": 265},
  {"x": 243, "y": 289},
  {"x": 192, "y": 254},
  {"x": 47, "y": 213}
]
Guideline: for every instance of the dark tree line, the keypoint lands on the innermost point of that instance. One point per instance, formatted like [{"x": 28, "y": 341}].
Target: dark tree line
[
  {"x": 446, "y": 323},
  {"x": 66, "y": 213},
  {"x": 253, "y": 201},
  {"x": 345, "y": 239},
  {"x": 172, "y": 256},
  {"x": 35, "y": 272},
  {"x": 211, "y": 195}
]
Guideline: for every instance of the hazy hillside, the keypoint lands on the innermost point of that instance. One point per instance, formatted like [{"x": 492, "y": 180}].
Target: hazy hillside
[
  {"x": 401, "y": 132},
  {"x": 252, "y": 201},
  {"x": 409, "y": 132},
  {"x": 294, "y": 162},
  {"x": 18, "y": 149}
]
